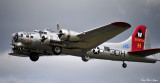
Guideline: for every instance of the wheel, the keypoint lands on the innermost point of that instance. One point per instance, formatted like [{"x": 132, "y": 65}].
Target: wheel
[
  {"x": 34, "y": 57},
  {"x": 85, "y": 58},
  {"x": 57, "y": 50},
  {"x": 124, "y": 65}
]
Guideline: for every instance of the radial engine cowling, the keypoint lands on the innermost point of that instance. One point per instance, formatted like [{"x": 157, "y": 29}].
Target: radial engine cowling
[
  {"x": 45, "y": 39},
  {"x": 67, "y": 35}
]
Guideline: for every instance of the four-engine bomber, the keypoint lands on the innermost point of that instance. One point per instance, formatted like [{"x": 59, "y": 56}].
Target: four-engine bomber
[{"x": 88, "y": 44}]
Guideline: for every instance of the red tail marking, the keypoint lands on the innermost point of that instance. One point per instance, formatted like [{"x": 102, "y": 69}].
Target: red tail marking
[{"x": 138, "y": 38}]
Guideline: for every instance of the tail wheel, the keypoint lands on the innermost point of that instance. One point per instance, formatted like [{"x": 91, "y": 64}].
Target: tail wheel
[
  {"x": 85, "y": 58},
  {"x": 57, "y": 50},
  {"x": 124, "y": 65},
  {"x": 34, "y": 57}
]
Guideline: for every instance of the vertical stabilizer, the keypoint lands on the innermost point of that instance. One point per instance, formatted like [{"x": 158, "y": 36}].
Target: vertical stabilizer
[{"x": 140, "y": 39}]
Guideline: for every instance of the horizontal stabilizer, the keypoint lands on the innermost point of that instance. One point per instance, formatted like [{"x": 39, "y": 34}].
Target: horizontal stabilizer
[{"x": 145, "y": 52}]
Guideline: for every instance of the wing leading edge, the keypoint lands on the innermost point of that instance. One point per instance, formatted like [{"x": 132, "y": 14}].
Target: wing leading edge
[{"x": 95, "y": 37}]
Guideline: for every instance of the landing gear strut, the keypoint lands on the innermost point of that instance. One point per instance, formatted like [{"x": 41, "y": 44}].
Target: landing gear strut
[{"x": 124, "y": 65}]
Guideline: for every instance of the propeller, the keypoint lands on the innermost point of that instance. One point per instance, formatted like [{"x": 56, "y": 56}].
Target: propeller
[
  {"x": 13, "y": 46},
  {"x": 60, "y": 33},
  {"x": 43, "y": 39},
  {"x": 15, "y": 37},
  {"x": 58, "y": 28}
]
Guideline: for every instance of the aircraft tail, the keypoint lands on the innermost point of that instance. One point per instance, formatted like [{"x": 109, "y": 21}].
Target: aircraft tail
[
  {"x": 140, "y": 42},
  {"x": 140, "y": 39}
]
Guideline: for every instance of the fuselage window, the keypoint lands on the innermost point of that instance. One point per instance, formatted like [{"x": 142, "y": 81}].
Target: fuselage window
[
  {"x": 106, "y": 48},
  {"x": 31, "y": 36},
  {"x": 27, "y": 36},
  {"x": 21, "y": 35},
  {"x": 45, "y": 32}
]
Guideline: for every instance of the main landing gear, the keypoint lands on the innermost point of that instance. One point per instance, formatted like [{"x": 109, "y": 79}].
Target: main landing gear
[
  {"x": 57, "y": 50},
  {"x": 85, "y": 58},
  {"x": 124, "y": 65},
  {"x": 34, "y": 57}
]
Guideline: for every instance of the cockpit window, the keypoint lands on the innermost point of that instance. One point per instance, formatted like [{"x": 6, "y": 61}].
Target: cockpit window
[
  {"x": 106, "y": 48},
  {"x": 36, "y": 31},
  {"x": 39, "y": 31}
]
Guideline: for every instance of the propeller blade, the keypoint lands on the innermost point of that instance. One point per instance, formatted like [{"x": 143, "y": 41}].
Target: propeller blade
[
  {"x": 58, "y": 28},
  {"x": 43, "y": 39},
  {"x": 15, "y": 37},
  {"x": 60, "y": 33}
]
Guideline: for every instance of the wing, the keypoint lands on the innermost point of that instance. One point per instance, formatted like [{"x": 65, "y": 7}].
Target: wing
[
  {"x": 92, "y": 38},
  {"x": 145, "y": 52}
]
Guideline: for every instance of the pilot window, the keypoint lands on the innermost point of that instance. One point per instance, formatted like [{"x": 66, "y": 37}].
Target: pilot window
[{"x": 106, "y": 48}]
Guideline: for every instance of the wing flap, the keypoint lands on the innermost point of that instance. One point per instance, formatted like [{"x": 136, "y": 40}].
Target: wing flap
[{"x": 145, "y": 52}]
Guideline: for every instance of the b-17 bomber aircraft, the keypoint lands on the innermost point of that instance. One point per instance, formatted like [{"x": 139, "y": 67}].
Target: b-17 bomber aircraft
[{"x": 87, "y": 45}]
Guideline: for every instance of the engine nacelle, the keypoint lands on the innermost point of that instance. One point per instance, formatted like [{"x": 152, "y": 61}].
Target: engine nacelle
[
  {"x": 67, "y": 35},
  {"x": 45, "y": 39},
  {"x": 18, "y": 44}
]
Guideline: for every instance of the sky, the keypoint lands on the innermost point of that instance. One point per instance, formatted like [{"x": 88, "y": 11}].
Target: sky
[{"x": 76, "y": 15}]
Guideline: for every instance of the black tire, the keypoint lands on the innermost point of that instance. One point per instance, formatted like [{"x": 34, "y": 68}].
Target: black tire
[
  {"x": 34, "y": 57},
  {"x": 124, "y": 65},
  {"x": 84, "y": 58},
  {"x": 57, "y": 50}
]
